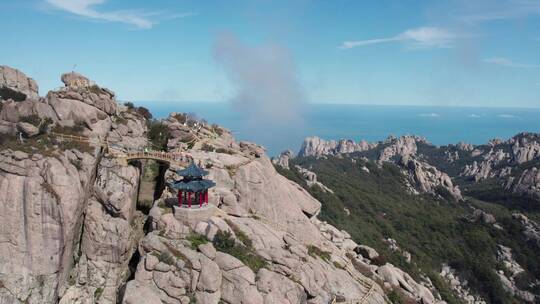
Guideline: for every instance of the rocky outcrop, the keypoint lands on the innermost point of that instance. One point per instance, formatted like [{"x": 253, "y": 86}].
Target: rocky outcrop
[
  {"x": 429, "y": 179},
  {"x": 402, "y": 151},
  {"x": 459, "y": 286},
  {"x": 283, "y": 159},
  {"x": 15, "y": 85},
  {"x": 70, "y": 224},
  {"x": 404, "y": 146},
  {"x": 502, "y": 161},
  {"x": 112, "y": 229},
  {"x": 525, "y": 147},
  {"x": 311, "y": 179},
  {"x": 508, "y": 274},
  {"x": 528, "y": 183},
  {"x": 531, "y": 229},
  {"x": 315, "y": 146},
  {"x": 42, "y": 205}
]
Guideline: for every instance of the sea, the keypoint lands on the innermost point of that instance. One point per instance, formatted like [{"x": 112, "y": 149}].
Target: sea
[{"x": 440, "y": 125}]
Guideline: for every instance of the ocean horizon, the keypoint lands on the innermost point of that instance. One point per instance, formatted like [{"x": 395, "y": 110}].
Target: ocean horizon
[{"x": 440, "y": 125}]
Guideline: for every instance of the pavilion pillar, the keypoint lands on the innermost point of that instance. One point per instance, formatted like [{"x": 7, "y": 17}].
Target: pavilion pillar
[
  {"x": 189, "y": 199},
  {"x": 180, "y": 194},
  {"x": 200, "y": 199},
  {"x": 206, "y": 197}
]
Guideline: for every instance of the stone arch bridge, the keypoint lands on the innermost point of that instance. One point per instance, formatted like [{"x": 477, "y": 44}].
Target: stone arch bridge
[{"x": 124, "y": 155}]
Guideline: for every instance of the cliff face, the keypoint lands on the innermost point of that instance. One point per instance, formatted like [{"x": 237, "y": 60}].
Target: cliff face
[
  {"x": 315, "y": 146},
  {"x": 73, "y": 233},
  {"x": 402, "y": 151},
  {"x": 68, "y": 212}
]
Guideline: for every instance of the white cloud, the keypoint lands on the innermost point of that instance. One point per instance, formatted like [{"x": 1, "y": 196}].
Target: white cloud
[
  {"x": 507, "y": 116},
  {"x": 422, "y": 37},
  {"x": 474, "y": 116},
  {"x": 86, "y": 8},
  {"x": 501, "y": 61},
  {"x": 429, "y": 115},
  {"x": 478, "y": 12}
]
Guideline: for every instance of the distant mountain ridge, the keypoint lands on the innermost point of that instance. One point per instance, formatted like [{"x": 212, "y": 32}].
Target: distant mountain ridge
[{"x": 437, "y": 204}]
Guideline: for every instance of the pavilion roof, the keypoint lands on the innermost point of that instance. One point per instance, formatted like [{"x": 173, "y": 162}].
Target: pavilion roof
[
  {"x": 193, "y": 185},
  {"x": 192, "y": 171}
]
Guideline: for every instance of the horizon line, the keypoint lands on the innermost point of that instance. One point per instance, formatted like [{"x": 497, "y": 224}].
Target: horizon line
[{"x": 352, "y": 104}]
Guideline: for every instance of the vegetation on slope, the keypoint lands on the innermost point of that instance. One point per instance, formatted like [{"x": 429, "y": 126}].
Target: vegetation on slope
[{"x": 376, "y": 205}]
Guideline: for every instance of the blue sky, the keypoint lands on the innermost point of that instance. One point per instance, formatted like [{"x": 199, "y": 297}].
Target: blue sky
[{"x": 465, "y": 53}]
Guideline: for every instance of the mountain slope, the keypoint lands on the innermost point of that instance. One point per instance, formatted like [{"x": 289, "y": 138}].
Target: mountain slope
[{"x": 374, "y": 197}]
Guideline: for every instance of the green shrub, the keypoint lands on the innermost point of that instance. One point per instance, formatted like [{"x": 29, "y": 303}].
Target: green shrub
[
  {"x": 444, "y": 290},
  {"x": 208, "y": 148},
  {"x": 129, "y": 105},
  {"x": 224, "y": 242},
  {"x": 45, "y": 124},
  {"x": 167, "y": 258},
  {"x": 144, "y": 112},
  {"x": 196, "y": 240},
  {"x": 97, "y": 293},
  {"x": 217, "y": 129},
  {"x": 225, "y": 151},
  {"x": 395, "y": 297},
  {"x": 31, "y": 119},
  {"x": 315, "y": 251},
  {"x": 95, "y": 89},
  {"x": 77, "y": 129},
  {"x": 77, "y": 163},
  {"x": 121, "y": 120},
  {"x": 158, "y": 134}
]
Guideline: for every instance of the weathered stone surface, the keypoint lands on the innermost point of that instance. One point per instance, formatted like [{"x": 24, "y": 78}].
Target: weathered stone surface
[
  {"x": 279, "y": 289},
  {"x": 208, "y": 250},
  {"x": 315, "y": 146},
  {"x": 311, "y": 179},
  {"x": 367, "y": 252},
  {"x": 138, "y": 293},
  {"x": 427, "y": 178},
  {"x": 15, "y": 85},
  {"x": 42, "y": 205},
  {"x": 210, "y": 277},
  {"x": 73, "y": 79},
  {"x": 28, "y": 129},
  {"x": 531, "y": 229},
  {"x": 399, "y": 279},
  {"x": 283, "y": 159}
]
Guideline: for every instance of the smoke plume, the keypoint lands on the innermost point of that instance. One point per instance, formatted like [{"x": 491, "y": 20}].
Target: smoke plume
[{"x": 264, "y": 77}]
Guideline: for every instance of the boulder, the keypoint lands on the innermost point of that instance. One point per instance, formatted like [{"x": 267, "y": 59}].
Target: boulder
[
  {"x": 137, "y": 293},
  {"x": 15, "y": 85},
  {"x": 28, "y": 129},
  {"x": 367, "y": 252},
  {"x": 74, "y": 79}
]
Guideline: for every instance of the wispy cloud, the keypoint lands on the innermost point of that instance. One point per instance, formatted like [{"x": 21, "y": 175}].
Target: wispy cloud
[
  {"x": 501, "y": 61},
  {"x": 429, "y": 115},
  {"x": 422, "y": 37},
  {"x": 484, "y": 11},
  {"x": 474, "y": 116},
  {"x": 87, "y": 9},
  {"x": 508, "y": 116}
]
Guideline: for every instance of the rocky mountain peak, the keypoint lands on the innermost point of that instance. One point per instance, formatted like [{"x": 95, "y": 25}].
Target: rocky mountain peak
[
  {"x": 315, "y": 146},
  {"x": 402, "y": 146}
]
